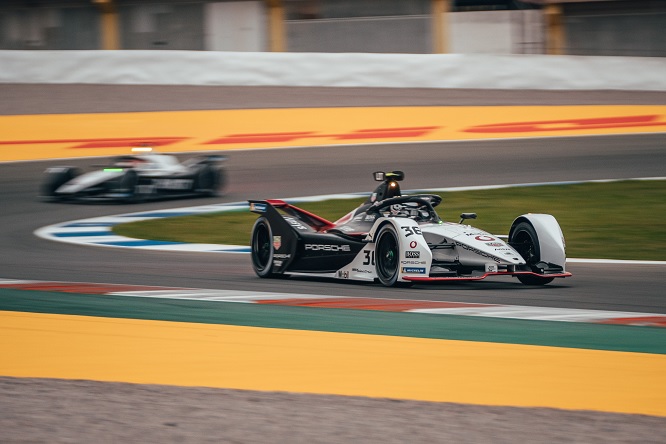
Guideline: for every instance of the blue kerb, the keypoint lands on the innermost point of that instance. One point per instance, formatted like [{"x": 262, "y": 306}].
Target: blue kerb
[
  {"x": 89, "y": 224},
  {"x": 174, "y": 214},
  {"x": 85, "y": 234},
  {"x": 139, "y": 243}
]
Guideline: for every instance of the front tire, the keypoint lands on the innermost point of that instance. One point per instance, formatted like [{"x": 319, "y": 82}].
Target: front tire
[
  {"x": 262, "y": 248},
  {"x": 525, "y": 241},
  {"x": 128, "y": 185},
  {"x": 387, "y": 254},
  {"x": 55, "y": 180}
]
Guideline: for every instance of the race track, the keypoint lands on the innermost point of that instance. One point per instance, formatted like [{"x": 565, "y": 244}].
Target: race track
[
  {"x": 324, "y": 170},
  {"x": 311, "y": 171}
]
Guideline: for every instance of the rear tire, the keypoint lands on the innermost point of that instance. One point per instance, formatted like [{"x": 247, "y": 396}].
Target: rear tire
[
  {"x": 207, "y": 181},
  {"x": 525, "y": 241},
  {"x": 262, "y": 250},
  {"x": 387, "y": 256}
]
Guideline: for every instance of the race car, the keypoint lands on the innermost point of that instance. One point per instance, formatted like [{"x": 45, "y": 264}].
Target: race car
[
  {"x": 400, "y": 240},
  {"x": 143, "y": 175}
]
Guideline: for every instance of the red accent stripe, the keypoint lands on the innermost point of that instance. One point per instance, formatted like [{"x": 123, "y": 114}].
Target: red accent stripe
[
  {"x": 378, "y": 133},
  {"x": 277, "y": 202},
  {"x": 327, "y": 224},
  {"x": 261, "y": 137},
  {"x": 369, "y": 303},
  {"x": 645, "y": 321},
  {"x": 568, "y": 125},
  {"x": 386, "y": 133},
  {"x": 483, "y": 276},
  {"x": 102, "y": 143},
  {"x": 84, "y": 288}
]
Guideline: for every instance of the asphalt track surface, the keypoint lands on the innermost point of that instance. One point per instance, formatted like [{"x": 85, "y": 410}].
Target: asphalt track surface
[
  {"x": 309, "y": 171},
  {"x": 325, "y": 170}
]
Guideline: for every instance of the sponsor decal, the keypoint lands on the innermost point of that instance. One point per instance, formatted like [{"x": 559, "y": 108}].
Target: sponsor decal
[
  {"x": 479, "y": 252},
  {"x": 411, "y": 230},
  {"x": 491, "y": 268},
  {"x": 414, "y": 270},
  {"x": 277, "y": 242},
  {"x": 413, "y": 262},
  {"x": 343, "y": 274},
  {"x": 322, "y": 247},
  {"x": 145, "y": 189},
  {"x": 567, "y": 125},
  {"x": 369, "y": 257},
  {"x": 412, "y": 244},
  {"x": 484, "y": 238},
  {"x": 294, "y": 223},
  {"x": 277, "y": 263},
  {"x": 412, "y": 254},
  {"x": 258, "y": 207},
  {"x": 495, "y": 244},
  {"x": 361, "y": 270},
  {"x": 560, "y": 125},
  {"x": 282, "y": 256},
  {"x": 370, "y": 217},
  {"x": 173, "y": 184}
]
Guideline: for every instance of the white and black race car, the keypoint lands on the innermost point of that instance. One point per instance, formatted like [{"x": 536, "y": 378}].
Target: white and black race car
[
  {"x": 140, "y": 176},
  {"x": 400, "y": 240}
]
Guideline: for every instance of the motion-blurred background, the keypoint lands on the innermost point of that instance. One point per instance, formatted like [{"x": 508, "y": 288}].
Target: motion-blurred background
[{"x": 568, "y": 27}]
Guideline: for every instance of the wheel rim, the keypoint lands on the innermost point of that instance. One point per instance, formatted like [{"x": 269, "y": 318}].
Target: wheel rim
[
  {"x": 387, "y": 255},
  {"x": 525, "y": 245},
  {"x": 261, "y": 247}
]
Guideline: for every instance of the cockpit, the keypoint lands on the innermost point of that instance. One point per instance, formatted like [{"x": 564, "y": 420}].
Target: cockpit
[
  {"x": 388, "y": 201},
  {"x": 147, "y": 162}
]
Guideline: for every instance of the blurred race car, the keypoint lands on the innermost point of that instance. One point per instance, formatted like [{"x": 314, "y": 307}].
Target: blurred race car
[
  {"x": 400, "y": 240},
  {"x": 141, "y": 176}
]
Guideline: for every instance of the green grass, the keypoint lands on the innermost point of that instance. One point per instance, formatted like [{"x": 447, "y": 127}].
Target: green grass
[{"x": 618, "y": 220}]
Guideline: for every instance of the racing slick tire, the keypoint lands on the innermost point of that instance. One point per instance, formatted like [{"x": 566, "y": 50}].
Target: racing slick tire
[
  {"x": 128, "y": 185},
  {"x": 387, "y": 256},
  {"x": 262, "y": 250},
  {"x": 525, "y": 241},
  {"x": 55, "y": 179},
  {"x": 206, "y": 181}
]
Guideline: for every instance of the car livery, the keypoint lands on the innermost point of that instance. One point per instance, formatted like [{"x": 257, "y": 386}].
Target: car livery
[
  {"x": 400, "y": 240},
  {"x": 142, "y": 176}
]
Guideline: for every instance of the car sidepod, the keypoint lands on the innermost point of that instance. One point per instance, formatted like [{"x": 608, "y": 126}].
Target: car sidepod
[{"x": 297, "y": 244}]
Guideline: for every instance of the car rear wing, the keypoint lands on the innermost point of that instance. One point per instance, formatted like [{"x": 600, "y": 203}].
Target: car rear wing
[
  {"x": 298, "y": 218},
  {"x": 207, "y": 159}
]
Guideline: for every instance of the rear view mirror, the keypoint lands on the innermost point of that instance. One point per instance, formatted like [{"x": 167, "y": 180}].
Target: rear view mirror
[
  {"x": 379, "y": 176},
  {"x": 467, "y": 216}
]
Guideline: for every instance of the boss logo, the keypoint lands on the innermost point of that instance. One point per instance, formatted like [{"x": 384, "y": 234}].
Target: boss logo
[
  {"x": 412, "y": 254},
  {"x": 320, "y": 247}
]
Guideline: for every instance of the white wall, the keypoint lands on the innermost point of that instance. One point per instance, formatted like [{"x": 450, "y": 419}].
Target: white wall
[{"x": 336, "y": 70}]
